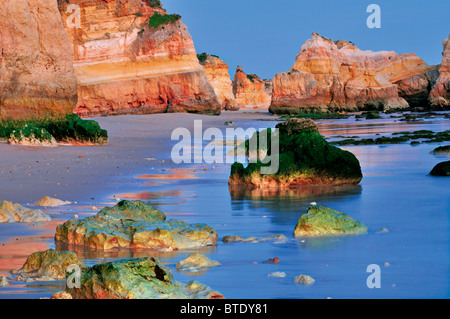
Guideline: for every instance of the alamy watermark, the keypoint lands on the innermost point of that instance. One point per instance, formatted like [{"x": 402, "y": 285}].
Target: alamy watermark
[
  {"x": 191, "y": 148},
  {"x": 374, "y": 19},
  {"x": 74, "y": 18}
]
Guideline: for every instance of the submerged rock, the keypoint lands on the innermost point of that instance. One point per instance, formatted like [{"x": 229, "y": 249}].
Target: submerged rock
[
  {"x": 305, "y": 158},
  {"x": 304, "y": 280},
  {"x": 441, "y": 169},
  {"x": 445, "y": 150},
  {"x": 235, "y": 238},
  {"x": 195, "y": 263},
  {"x": 143, "y": 278},
  {"x": 323, "y": 221},
  {"x": 48, "y": 265},
  {"x": 15, "y": 213},
  {"x": 134, "y": 224},
  {"x": 47, "y": 201},
  {"x": 277, "y": 274}
]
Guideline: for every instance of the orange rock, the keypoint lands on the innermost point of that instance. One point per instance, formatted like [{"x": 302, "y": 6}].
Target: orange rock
[
  {"x": 219, "y": 77},
  {"x": 124, "y": 66},
  {"x": 251, "y": 91},
  {"x": 36, "y": 61},
  {"x": 440, "y": 94},
  {"x": 336, "y": 75}
]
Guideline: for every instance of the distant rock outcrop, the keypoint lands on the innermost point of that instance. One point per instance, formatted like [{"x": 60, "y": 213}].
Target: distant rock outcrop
[
  {"x": 251, "y": 91},
  {"x": 36, "y": 61},
  {"x": 335, "y": 75},
  {"x": 15, "y": 213},
  {"x": 219, "y": 77},
  {"x": 440, "y": 94},
  {"x": 132, "y": 57}
]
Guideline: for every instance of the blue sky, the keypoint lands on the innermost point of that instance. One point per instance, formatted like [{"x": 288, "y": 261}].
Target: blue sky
[{"x": 265, "y": 36}]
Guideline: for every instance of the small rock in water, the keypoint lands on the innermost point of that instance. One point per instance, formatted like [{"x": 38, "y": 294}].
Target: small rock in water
[
  {"x": 304, "y": 280},
  {"x": 274, "y": 260},
  {"x": 195, "y": 263},
  {"x": 386, "y": 264},
  {"x": 230, "y": 123},
  {"x": 48, "y": 201},
  {"x": 277, "y": 274},
  {"x": 3, "y": 281},
  {"x": 383, "y": 230}
]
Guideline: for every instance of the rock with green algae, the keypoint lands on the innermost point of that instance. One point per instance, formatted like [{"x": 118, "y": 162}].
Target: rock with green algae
[
  {"x": 196, "y": 263},
  {"x": 278, "y": 239},
  {"x": 32, "y": 135},
  {"x": 143, "y": 278},
  {"x": 305, "y": 158},
  {"x": 15, "y": 213},
  {"x": 323, "y": 221},
  {"x": 134, "y": 224},
  {"x": 48, "y": 265},
  {"x": 441, "y": 169},
  {"x": 444, "y": 150}
]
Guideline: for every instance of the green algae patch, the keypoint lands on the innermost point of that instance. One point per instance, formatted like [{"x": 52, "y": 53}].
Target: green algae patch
[
  {"x": 305, "y": 158},
  {"x": 322, "y": 221},
  {"x": 134, "y": 224},
  {"x": 142, "y": 278},
  {"x": 441, "y": 169},
  {"x": 31, "y": 135}
]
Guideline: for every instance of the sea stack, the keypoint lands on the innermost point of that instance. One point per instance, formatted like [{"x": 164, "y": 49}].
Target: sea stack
[
  {"x": 440, "y": 94},
  {"x": 36, "y": 61},
  {"x": 132, "y": 57},
  {"x": 337, "y": 76},
  {"x": 251, "y": 91}
]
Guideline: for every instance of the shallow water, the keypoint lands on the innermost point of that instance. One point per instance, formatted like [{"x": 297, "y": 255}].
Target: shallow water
[{"x": 396, "y": 193}]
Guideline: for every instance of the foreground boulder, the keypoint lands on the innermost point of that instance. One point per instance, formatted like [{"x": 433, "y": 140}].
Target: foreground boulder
[
  {"x": 134, "y": 224},
  {"x": 143, "y": 278},
  {"x": 48, "y": 265},
  {"x": 335, "y": 75},
  {"x": 323, "y": 221},
  {"x": 132, "y": 57},
  {"x": 32, "y": 135},
  {"x": 305, "y": 158},
  {"x": 15, "y": 213},
  {"x": 441, "y": 169},
  {"x": 36, "y": 61}
]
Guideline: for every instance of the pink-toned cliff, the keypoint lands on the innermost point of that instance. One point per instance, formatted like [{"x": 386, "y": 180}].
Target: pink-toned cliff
[
  {"x": 336, "y": 75},
  {"x": 440, "y": 94},
  {"x": 131, "y": 57},
  {"x": 218, "y": 75},
  {"x": 251, "y": 91},
  {"x": 36, "y": 61}
]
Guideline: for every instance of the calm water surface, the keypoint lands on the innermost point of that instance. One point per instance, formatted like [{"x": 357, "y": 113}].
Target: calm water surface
[{"x": 396, "y": 193}]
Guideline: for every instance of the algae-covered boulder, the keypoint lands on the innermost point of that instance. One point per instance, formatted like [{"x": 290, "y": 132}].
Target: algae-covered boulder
[
  {"x": 15, "y": 213},
  {"x": 305, "y": 158},
  {"x": 31, "y": 135},
  {"x": 134, "y": 224},
  {"x": 49, "y": 264},
  {"x": 143, "y": 278},
  {"x": 441, "y": 169},
  {"x": 323, "y": 221},
  {"x": 195, "y": 263},
  {"x": 442, "y": 150}
]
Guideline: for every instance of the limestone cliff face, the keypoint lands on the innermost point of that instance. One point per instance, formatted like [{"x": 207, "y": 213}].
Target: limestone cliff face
[
  {"x": 251, "y": 92},
  {"x": 36, "y": 61},
  {"x": 440, "y": 94},
  {"x": 131, "y": 57},
  {"x": 218, "y": 75},
  {"x": 336, "y": 75}
]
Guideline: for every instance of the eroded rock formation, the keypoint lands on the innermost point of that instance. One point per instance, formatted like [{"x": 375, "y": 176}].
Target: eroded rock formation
[
  {"x": 251, "y": 91},
  {"x": 440, "y": 94},
  {"x": 131, "y": 57},
  {"x": 36, "y": 61},
  {"x": 219, "y": 77},
  {"x": 15, "y": 213},
  {"x": 336, "y": 75}
]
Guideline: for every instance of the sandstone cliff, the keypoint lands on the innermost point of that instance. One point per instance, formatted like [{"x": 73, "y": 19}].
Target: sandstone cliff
[
  {"x": 336, "y": 75},
  {"x": 218, "y": 75},
  {"x": 440, "y": 94},
  {"x": 36, "y": 61},
  {"x": 131, "y": 57},
  {"x": 251, "y": 91}
]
